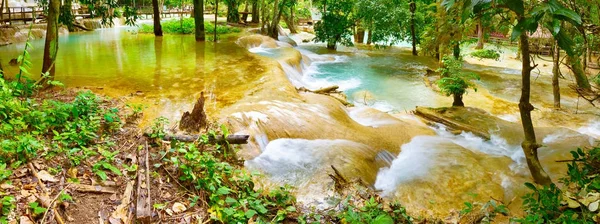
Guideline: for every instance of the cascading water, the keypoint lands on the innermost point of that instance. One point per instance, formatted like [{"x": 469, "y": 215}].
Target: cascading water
[{"x": 430, "y": 172}]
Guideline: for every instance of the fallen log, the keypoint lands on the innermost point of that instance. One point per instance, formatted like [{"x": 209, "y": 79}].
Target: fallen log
[
  {"x": 431, "y": 115},
  {"x": 143, "y": 205},
  {"x": 81, "y": 26},
  {"x": 93, "y": 188},
  {"x": 328, "y": 91},
  {"x": 219, "y": 139}
]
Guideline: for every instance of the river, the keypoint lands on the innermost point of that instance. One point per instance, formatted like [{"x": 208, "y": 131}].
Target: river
[{"x": 297, "y": 137}]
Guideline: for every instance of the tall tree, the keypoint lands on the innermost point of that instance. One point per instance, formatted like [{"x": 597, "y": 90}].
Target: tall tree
[
  {"x": 548, "y": 13},
  {"x": 273, "y": 29},
  {"x": 480, "y": 35},
  {"x": 199, "y": 19},
  {"x": 255, "y": 11},
  {"x": 555, "y": 75},
  {"x": 156, "y": 17},
  {"x": 335, "y": 25},
  {"x": 216, "y": 16},
  {"x": 413, "y": 33},
  {"x": 233, "y": 15},
  {"x": 51, "y": 44}
]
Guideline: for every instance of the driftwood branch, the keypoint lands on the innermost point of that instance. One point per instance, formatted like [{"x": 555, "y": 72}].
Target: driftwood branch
[
  {"x": 219, "y": 139},
  {"x": 93, "y": 188},
  {"x": 143, "y": 212},
  {"x": 328, "y": 91},
  {"x": 81, "y": 26}
]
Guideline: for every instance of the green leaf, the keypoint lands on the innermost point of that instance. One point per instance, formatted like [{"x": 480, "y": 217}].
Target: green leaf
[
  {"x": 568, "y": 15},
  {"x": 230, "y": 200},
  {"x": 516, "y": 6},
  {"x": 223, "y": 191},
  {"x": 530, "y": 186},
  {"x": 101, "y": 174},
  {"x": 110, "y": 167},
  {"x": 250, "y": 213},
  {"x": 383, "y": 219}
]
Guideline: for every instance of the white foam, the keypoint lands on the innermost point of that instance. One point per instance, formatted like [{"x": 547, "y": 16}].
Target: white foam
[
  {"x": 261, "y": 50},
  {"x": 497, "y": 145},
  {"x": 413, "y": 162},
  {"x": 358, "y": 114},
  {"x": 592, "y": 129},
  {"x": 509, "y": 117}
]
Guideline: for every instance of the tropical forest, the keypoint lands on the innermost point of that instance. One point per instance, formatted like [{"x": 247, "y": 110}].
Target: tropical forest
[{"x": 299, "y": 111}]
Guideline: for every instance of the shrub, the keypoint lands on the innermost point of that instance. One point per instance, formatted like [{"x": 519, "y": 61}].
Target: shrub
[
  {"x": 486, "y": 53},
  {"x": 577, "y": 203},
  {"x": 453, "y": 81},
  {"x": 187, "y": 27}
]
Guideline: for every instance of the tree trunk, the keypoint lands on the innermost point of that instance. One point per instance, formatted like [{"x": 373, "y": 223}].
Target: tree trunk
[
  {"x": 555, "y": 74},
  {"x": 291, "y": 24},
  {"x": 156, "y": 11},
  {"x": 456, "y": 50},
  {"x": 458, "y": 102},
  {"x": 51, "y": 44},
  {"x": 233, "y": 15},
  {"x": 289, "y": 20},
  {"x": 67, "y": 15},
  {"x": 2, "y": 10},
  {"x": 360, "y": 35},
  {"x": 273, "y": 28},
  {"x": 331, "y": 45},
  {"x": 255, "y": 12},
  {"x": 413, "y": 34},
  {"x": 197, "y": 119},
  {"x": 216, "y": 15},
  {"x": 519, "y": 50},
  {"x": 199, "y": 19},
  {"x": 480, "y": 36},
  {"x": 370, "y": 37},
  {"x": 579, "y": 73},
  {"x": 245, "y": 15},
  {"x": 529, "y": 145},
  {"x": 585, "y": 50}
]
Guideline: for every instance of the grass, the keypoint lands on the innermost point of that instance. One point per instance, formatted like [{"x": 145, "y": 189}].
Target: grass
[{"x": 187, "y": 27}]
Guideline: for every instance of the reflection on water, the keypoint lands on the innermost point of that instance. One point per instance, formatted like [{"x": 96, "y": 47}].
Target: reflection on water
[{"x": 172, "y": 70}]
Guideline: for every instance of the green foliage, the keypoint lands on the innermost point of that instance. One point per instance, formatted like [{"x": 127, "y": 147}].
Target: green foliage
[
  {"x": 158, "y": 128},
  {"x": 29, "y": 126},
  {"x": 7, "y": 205},
  {"x": 105, "y": 164},
  {"x": 64, "y": 197},
  {"x": 188, "y": 27},
  {"x": 454, "y": 81},
  {"x": 335, "y": 26},
  {"x": 489, "y": 210},
  {"x": 486, "y": 53},
  {"x": 232, "y": 197},
  {"x": 549, "y": 204},
  {"x": 372, "y": 212},
  {"x": 36, "y": 209}
]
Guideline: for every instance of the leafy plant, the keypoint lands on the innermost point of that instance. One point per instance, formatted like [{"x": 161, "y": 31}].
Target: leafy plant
[
  {"x": 8, "y": 204},
  {"x": 486, "y": 53},
  {"x": 574, "y": 204},
  {"x": 36, "y": 209},
  {"x": 453, "y": 81},
  {"x": 105, "y": 164},
  {"x": 187, "y": 26}
]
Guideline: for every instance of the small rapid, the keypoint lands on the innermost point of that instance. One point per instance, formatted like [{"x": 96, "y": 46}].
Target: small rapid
[{"x": 430, "y": 169}]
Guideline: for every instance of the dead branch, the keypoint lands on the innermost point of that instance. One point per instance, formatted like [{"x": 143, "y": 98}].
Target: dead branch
[
  {"x": 219, "y": 139},
  {"x": 94, "y": 189},
  {"x": 143, "y": 212}
]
